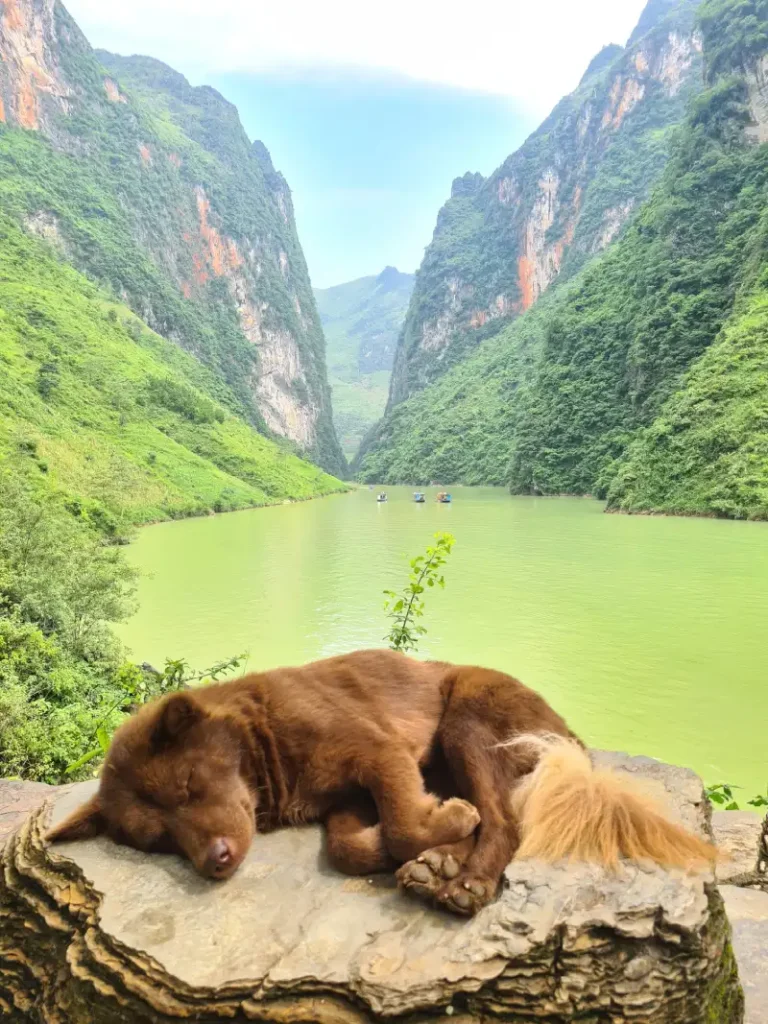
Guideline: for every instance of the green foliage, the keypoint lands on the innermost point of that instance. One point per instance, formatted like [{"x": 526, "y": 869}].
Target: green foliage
[
  {"x": 707, "y": 450},
  {"x": 406, "y": 608},
  {"x": 721, "y": 795},
  {"x": 64, "y": 683},
  {"x": 135, "y": 429},
  {"x": 735, "y": 34},
  {"x": 459, "y": 429},
  {"x": 56, "y": 571},
  {"x": 639, "y": 319},
  {"x": 47, "y": 379},
  {"x": 60, "y": 586}
]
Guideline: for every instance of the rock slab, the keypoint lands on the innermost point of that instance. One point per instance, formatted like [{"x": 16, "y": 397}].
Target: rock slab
[
  {"x": 739, "y": 836},
  {"x": 93, "y": 933},
  {"x": 748, "y": 913}
]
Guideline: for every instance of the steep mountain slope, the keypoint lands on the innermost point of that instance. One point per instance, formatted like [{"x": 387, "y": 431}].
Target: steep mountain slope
[
  {"x": 153, "y": 190},
  {"x": 619, "y": 347},
  {"x": 619, "y": 381},
  {"x": 362, "y": 320},
  {"x": 562, "y": 197},
  {"x": 707, "y": 451},
  {"x": 97, "y": 406}
]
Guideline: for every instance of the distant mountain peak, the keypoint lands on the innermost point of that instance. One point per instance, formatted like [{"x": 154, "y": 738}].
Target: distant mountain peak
[
  {"x": 390, "y": 278},
  {"x": 653, "y": 12},
  {"x": 467, "y": 184}
]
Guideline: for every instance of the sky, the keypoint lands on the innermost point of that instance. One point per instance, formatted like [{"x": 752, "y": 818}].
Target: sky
[{"x": 370, "y": 111}]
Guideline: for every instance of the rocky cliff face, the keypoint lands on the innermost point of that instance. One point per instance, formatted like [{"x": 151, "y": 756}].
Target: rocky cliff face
[
  {"x": 152, "y": 188},
  {"x": 564, "y": 196}
]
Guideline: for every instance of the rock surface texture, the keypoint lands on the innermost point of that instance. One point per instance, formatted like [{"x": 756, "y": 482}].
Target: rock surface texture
[
  {"x": 740, "y": 835},
  {"x": 747, "y": 911},
  {"x": 93, "y": 932}
]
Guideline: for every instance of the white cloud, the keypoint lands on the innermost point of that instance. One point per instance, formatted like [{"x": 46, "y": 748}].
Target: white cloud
[{"x": 531, "y": 50}]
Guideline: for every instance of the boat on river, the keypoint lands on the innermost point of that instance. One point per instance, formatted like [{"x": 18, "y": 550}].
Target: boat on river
[
  {"x": 382, "y": 496},
  {"x": 418, "y": 497},
  {"x": 444, "y": 498}
]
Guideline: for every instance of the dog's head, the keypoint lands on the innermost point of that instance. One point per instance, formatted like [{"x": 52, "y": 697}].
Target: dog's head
[{"x": 173, "y": 782}]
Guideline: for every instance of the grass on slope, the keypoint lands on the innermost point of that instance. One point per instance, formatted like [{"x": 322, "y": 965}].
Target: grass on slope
[
  {"x": 707, "y": 452},
  {"x": 113, "y": 414},
  {"x": 356, "y": 406}
]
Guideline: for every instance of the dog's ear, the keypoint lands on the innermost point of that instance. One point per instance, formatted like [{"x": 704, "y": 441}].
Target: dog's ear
[
  {"x": 178, "y": 713},
  {"x": 84, "y": 823}
]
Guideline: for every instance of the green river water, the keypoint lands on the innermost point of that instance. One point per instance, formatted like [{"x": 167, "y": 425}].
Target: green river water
[{"x": 648, "y": 633}]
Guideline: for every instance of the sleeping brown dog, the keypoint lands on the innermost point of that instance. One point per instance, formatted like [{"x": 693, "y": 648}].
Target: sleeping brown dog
[{"x": 350, "y": 741}]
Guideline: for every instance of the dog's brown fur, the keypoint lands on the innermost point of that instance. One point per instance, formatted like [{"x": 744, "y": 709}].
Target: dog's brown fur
[{"x": 350, "y": 741}]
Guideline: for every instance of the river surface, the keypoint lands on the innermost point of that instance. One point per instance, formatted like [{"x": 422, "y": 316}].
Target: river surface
[{"x": 648, "y": 634}]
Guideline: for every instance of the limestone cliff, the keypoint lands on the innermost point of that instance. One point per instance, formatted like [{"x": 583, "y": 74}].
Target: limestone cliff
[
  {"x": 153, "y": 189},
  {"x": 562, "y": 197}
]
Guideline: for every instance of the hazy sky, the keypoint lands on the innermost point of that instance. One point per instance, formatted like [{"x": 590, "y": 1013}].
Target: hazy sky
[{"x": 371, "y": 110}]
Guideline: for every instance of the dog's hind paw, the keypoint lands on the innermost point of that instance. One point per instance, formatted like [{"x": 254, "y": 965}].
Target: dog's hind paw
[
  {"x": 439, "y": 877},
  {"x": 427, "y": 875},
  {"x": 466, "y": 894}
]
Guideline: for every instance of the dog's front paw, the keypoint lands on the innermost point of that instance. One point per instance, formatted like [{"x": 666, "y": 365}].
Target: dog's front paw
[{"x": 458, "y": 819}]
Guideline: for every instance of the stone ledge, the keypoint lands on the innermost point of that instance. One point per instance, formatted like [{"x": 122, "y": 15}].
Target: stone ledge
[
  {"x": 93, "y": 933},
  {"x": 739, "y": 835}
]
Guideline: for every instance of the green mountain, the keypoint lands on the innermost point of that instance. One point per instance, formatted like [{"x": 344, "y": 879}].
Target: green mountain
[
  {"x": 562, "y": 198},
  {"x": 641, "y": 376},
  {"x": 151, "y": 189},
  {"x": 362, "y": 320},
  {"x": 112, "y": 414}
]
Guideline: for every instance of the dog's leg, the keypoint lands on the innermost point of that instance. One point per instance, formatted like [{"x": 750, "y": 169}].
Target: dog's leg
[
  {"x": 355, "y": 842},
  {"x": 412, "y": 820},
  {"x": 468, "y": 881},
  {"x": 485, "y": 709}
]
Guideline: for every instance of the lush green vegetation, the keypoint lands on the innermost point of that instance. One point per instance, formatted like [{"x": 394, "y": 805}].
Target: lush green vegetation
[
  {"x": 362, "y": 320},
  {"x": 125, "y": 424},
  {"x": 707, "y": 451},
  {"x": 617, "y": 348},
  {"x": 59, "y": 665},
  {"x": 161, "y": 199},
  {"x": 643, "y": 378},
  {"x": 65, "y": 685},
  {"x": 735, "y": 34},
  {"x": 459, "y": 429}
]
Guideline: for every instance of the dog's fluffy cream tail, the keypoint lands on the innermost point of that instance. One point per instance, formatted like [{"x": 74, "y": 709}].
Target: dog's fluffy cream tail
[{"x": 568, "y": 809}]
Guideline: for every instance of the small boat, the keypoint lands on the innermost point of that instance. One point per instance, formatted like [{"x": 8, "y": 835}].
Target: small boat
[
  {"x": 381, "y": 497},
  {"x": 418, "y": 497},
  {"x": 444, "y": 498}
]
